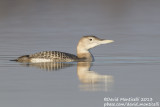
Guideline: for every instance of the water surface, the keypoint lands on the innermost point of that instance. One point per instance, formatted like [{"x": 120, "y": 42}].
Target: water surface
[{"x": 129, "y": 67}]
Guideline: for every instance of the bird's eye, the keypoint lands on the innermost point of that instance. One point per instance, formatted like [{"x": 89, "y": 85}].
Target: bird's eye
[{"x": 90, "y": 39}]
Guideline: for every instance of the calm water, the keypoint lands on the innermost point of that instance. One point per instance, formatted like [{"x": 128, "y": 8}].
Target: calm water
[{"x": 129, "y": 67}]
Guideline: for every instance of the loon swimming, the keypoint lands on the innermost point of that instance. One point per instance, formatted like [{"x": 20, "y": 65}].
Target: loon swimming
[{"x": 83, "y": 53}]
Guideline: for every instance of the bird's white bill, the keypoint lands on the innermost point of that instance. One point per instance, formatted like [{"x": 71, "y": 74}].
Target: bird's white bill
[{"x": 106, "y": 41}]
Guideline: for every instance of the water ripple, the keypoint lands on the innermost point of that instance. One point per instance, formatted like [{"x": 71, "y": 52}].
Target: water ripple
[
  {"x": 127, "y": 60},
  {"x": 5, "y": 60}
]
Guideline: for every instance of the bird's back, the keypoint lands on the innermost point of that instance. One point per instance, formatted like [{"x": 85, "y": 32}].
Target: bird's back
[{"x": 48, "y": 56}]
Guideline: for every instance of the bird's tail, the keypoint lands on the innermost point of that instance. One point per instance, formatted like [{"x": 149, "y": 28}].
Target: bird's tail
[
  {"x": 24, "y": 58},
  {"x": 14, "y": 60}
]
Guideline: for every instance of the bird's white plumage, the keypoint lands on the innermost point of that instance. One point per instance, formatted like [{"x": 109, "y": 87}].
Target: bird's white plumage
[{"x": 37, "y": 60}]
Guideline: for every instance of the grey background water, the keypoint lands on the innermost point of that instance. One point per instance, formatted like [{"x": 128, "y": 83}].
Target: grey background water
[{"x": 133, "y": 60}]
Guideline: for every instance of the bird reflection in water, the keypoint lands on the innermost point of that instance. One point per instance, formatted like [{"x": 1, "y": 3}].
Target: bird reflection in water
[
  {"x": 49, "y": 66},
  {"x": 92, "y": 81},
  {"x": 89, "y": 80}
]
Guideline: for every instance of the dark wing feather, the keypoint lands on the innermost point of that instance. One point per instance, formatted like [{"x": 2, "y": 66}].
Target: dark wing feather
[{"x": 55, "y": 56}]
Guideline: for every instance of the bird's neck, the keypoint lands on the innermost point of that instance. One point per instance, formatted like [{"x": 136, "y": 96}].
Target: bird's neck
[{"x": 84, "y": 54}]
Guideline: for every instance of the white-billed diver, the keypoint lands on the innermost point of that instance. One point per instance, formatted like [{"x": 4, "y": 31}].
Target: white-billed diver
[{"x": 83, "y": 53}]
